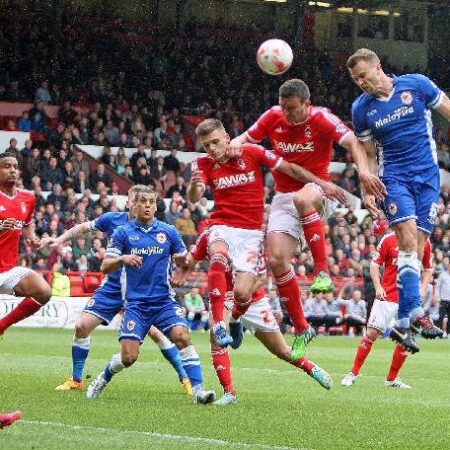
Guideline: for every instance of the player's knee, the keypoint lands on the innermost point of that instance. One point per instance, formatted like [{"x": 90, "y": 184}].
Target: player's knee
[
  {"x": 181, "y": 340},
  {"x": 278, "y": 263},
  {"x": 82, "y": 330},
  {"x": 305, "y": 199},
  {"x": 242, "y": 294},
  {"x": 129, "y": 357},
  {"x": 372, "y": 334},
  {"x": 43, "y": 294}
]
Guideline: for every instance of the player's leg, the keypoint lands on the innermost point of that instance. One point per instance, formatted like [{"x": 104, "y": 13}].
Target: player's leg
[
  {"x": 309, "y": 203},
  {"x": 171, "y": 353},
  {"x": 7, "y": 419},
  {"x": 398, "y": 359},
  {"x": 23, "y": 282},
  {"x": 281, "y": 248},
  {"x": 81, "y": 344}
]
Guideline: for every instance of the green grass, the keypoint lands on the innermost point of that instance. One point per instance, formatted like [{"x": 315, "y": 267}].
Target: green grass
[{"x": 144, "y": 407}]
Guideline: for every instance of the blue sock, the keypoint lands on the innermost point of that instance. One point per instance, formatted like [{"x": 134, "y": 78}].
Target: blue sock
[
  {"x": 408, "y": 281},
  {"x": 192, "y": 365},
  {"x": 80, "y": 352},
  {"x": 173, "y": 356}
]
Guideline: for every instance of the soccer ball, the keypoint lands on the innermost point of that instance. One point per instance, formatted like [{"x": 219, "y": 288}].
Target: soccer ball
[{"x": 274, "y": 56}]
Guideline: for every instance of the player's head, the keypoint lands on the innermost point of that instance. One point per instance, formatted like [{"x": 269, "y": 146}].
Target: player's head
[
  {"x": 294, "y": 100},
  {"x": 365, "y": 69},
  {"x": 144, "y": 204},
  {"x": 132, "y": 196},
  {"x": 9, "y": 170},
  {"x": 213, "y": 138}
]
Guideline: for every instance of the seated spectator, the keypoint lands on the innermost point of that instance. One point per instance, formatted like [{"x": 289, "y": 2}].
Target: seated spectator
[
  {"x": 180, "y": 187},
  {"x": 173, "y": 213},
  {"x": 171, "y": 162},
  {"x": 42, "y": 94},
  {"x": 67, "y": 114},
  {"x": 356, "y": 313},
  {"x": 186, "y": 226},
  {"x": 60, "y": 281},
  {"x": 10, "y": 126},
  {"x": 82, "y": 263},
  {"x": 52, "y": 175},
  {"x": 39, "y": 118},
  {"x": 138, "y": 155},
  {"x": 111, "y": 133},
  {"x": 80, "y": 162},
  {"x": 315, "y": 309},
  {"x": 274, "y": 302},
  {"x": 196, "y": 313},
  {"x": 100, "y": 175},
  {"x": 333, "y": 316},
  {"x": 24, "y": 123}
]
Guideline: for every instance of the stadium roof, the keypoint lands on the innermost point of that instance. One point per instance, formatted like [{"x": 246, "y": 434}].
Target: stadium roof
[{"x": 368, "y": 4}]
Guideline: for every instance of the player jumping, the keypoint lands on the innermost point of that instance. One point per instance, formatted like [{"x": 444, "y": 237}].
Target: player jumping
[
  {"x": 16, "y": 219},
  {"x": 7, "y": 419},
  {"x": 107, "y": 301},
  {"x": 385, "y": 306},
  {"x": 393, "y": 114},
  {"x": 145, "y": 248}
]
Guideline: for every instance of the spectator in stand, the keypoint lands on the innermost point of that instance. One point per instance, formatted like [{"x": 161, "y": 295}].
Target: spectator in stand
[
  {"x": 174, "y": 213},
  {"x": 333, "y": 316},
  {"x": 111, "y": 133},
  {"x": 80, "y": 162},
  {"x": 39, "y": 118},
  {"x": 138, "y": 155},
  {"x": 356, "y": 313},
  {"x": 186, "y": 226},
  {"x": 67, "y": 114},
  {"x": 57, "y": 195},
  {"x": 275, "y": 306},
  {"x": 179, "y": 187},
  {"x": 143, "y": 174},
  {"x": 13, "y": 150},
  {"x": 55, "y": 137},
  {"x": 42, "y": 94},
  {"x": 24, "y": 123},
  {"x": 315, "y": 309},
  {"x": 106, "y": 154},
  {"x": 171, "y": 162},
  {"x": 99, "y": 175},
  {"x": 52, "y": 175},
  {"x": 442, "y": 294},
  {"x": 82, "y": 183},
  {"x": 196, "y": 313},
  {"x": 82, "y": 263},
  {"x": 33, "y": 166},
  {"x": 27, "y": 149},
  {"x": 10, "y": 126},
  {"x": 70, "y": 177}
]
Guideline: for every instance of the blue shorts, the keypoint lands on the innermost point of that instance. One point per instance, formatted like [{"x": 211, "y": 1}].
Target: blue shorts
[
  {"x": 413, "y": 197},
  {"x": 103, "y": 306},
  {"x": 138, "y": 319}
]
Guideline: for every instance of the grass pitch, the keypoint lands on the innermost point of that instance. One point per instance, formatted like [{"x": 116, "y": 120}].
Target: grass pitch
[{"x": 279, "y": 407}]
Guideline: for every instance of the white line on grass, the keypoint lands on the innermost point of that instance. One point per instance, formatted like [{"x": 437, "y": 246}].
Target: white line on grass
[{"x": 171, "y": 437}]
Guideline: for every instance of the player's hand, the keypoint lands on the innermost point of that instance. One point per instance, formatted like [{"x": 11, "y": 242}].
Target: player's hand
[
  {"x": 48, "y": 242},
  {"x": 132, "y": 261},
  {"x": 380, "y": 293},
  {"x": 8, "y": 225},
  {"x": 334, "y": 192},
  {"x": 371, "y": 204},
  {"x": 179, "y": 276},
  {"x": 33, "y": 242},
  {"x": 234, "y": 149},
  {"x": 373, "y": 185},
  {"x": 181, "y": 260},
  {"x": 197, "y": 178}
]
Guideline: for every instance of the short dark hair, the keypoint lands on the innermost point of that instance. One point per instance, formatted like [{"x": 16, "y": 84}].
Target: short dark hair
[
  {"x": 144, "y": 190},
  {"x": 362, "y": 54},
  {"x": 8, "y": 155},
  {"x": 294, "y": 88},
  {"x": 208, "y": 126}
]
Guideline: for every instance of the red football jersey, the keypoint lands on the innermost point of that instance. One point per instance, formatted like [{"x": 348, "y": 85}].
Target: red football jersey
[
  {"x": 308, "y": 144},
  {"x": 237, "y": 186},
  {"x": 387, "y": 254},
  {"x": 21, "y": 208}
]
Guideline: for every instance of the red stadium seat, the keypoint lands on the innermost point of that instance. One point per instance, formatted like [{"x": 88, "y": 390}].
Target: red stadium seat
[
  {"x": 91, "y": 283},
  {"x": 76, "y": 286}
]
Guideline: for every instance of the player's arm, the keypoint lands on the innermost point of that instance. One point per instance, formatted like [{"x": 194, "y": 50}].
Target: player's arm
[
  {"x": 197, "y": 184},
  {"x": 114, "y": 257},
  {"x": 367, "y": 165},
  {"x": 427, "y": 268},
  {"x": 29, "y": 234},
  {"x": 78, "y": 230},
  {"x": 305, "y": 176},
  {"x": 375, "y": 274},
  {"x": 444, "y": 108}
]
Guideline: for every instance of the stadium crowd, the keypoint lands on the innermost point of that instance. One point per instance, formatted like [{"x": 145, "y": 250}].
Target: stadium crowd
[{"x": 133, "y": 97}]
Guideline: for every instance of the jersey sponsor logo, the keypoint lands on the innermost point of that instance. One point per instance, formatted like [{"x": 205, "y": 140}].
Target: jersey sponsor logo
[
  {"x": 393, "y": 117},
  {"x": 2, "y": 208},
  {"x": 235, "y": 180},
  {"x": 153, "y": 250},
  {"x": 241, "y": 164},
  {"x": 18, "y": 226},
  {"x": 293, "y": 148},
  {"x": 134, "y": 238},
  {"x": 161, "y": 238},
  {"x": 372, "y": 113},
  {"x": 406, "y": 98},
  {"x": 24, "y": 207}
]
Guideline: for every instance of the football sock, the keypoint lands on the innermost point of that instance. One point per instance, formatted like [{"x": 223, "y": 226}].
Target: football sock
[
  {"x": 222, "y": 366},
  {"x": 314, "y": 231},
  {"x": 192, "y": 366},
  {"x": 364, "y": 347},
  {"x": 398, "y": 358},
  {"x": 408, "y": 280},
  {"x": 26, "y": 308},
  {"x": 173, "y": 356},
  {"x": 305, "y": 364},
  {"x": 80, "y": 352},
  {"x": 114, "y": 366},
  {"x": 289, "y": 291},
  {"x": 217, "y": 284}
]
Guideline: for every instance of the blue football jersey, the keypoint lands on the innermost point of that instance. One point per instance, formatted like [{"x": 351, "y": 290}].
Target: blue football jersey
[
  {"x": 108, "y": 223},
  {"x": 400, "y": 124},
  {"x": 156, "y": 243}
]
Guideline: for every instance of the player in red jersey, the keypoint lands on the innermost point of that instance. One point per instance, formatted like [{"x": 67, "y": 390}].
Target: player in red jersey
[
  {"x": 236, "y": 235},
  {"x": 385, "y": 306},
  {"x": 303, "y": 134},
  {"x": 7, "y": 419},
  {"x": 259, "y": 319},
  {"x": 16, "y": 218}
]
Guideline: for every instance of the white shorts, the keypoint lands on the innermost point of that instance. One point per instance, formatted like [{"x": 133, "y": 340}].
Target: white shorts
[
  {"x": 259, "y": 317},
  {"x": 10, "y": 279},
  {"x": 283, "y": 215},
  {"x": 244, "y": 246},
  {"x": 382, "y": 315}
]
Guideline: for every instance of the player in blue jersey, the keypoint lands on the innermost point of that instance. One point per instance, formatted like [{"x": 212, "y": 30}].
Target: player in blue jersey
[
  {"x": 393, "y": 117},
  {"x": 107, "y": 301},
  {"x": 145, "y": 248}
]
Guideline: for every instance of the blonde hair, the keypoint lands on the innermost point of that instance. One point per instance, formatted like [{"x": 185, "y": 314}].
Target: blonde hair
[
  {"x": 208, "y": 126},
  {"x": 362, "y": 54}
]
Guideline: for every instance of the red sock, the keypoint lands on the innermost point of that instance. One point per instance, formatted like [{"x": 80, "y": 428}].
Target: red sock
[
  {"x": 364, "y": 347},
  {"x": 290, "y": 294},
  {"x": 305, "y": 364},
  {"x": 398, "y": 358},
  {"x": 217, "y": 284},
  {"x": 314, "y": 231},
  {"x": 222, "y": 366},
  {"x": 26, "y": 308}
]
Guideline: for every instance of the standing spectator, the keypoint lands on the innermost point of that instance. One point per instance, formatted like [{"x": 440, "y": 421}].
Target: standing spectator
[
  {"x": 24, "y": 123},
  {"x": 174, "y": 213},
  {"x": 443, "y": 297},
  {"x": 138, "y": 154},
  {"x": 171, "y": 162},
  {"x": 111, "y": 133},
  {"x": 42, "y": 93},
  {"x": 52, "y": 174},
  {"x": 13, "y": 150},
  {"x": 38, "y": 117}
]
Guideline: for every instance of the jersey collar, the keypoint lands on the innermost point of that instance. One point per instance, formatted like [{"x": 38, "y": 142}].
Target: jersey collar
[{"x": 145, "y": 228}]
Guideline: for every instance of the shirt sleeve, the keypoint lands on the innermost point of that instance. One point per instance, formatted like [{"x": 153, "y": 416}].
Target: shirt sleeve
[
  {"x": 177, "y": 245},
  {"x": 199, "y": 165},
  {"x": 264, "y": 157},
  {"x": 381, "y": 254},
  {"x": 427, "y": 260},
  {"x": 200, "y": 250},
  {"x": 260, "y": 129},
  {"x": 337, "y": 128},
  {"x": 116, "y": 244},
  {"x": 99, "y": 224},
  {"x": 432, "y": 94},
  {"x": 360, "y": 126}
]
